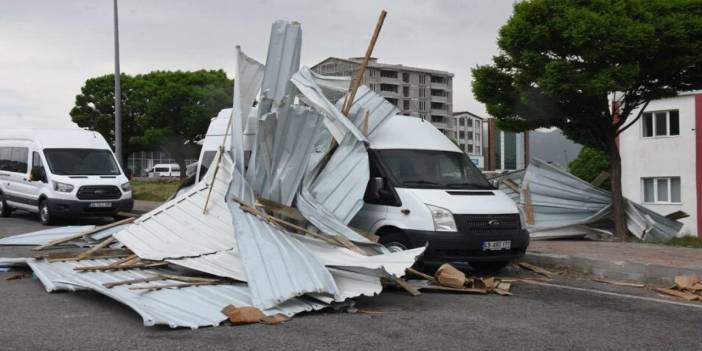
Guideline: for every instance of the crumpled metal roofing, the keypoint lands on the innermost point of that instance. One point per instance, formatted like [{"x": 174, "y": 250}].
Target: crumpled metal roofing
[
  {"x": 561, "y": 200},
  {"x": 189, "y": 307},
  {"x": 45, "y": 236}
]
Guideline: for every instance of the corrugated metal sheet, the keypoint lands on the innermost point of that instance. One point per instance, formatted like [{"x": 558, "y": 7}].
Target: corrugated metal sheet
[
  {"x": 178, "y": 228},
  {"x": 45, "y": 236},
  {"x": 378, "y": 108},
  {"x": 282, "y": 152},
  {"x": 189, "y": 307},
  {"x": 337, "y": 124},
  {"x": 282, "y": 62}
]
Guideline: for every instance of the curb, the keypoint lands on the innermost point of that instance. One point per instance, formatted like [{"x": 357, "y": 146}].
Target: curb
[{"x": 615, "y": 270}]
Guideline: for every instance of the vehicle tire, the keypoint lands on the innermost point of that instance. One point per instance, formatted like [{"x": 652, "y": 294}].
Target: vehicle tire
[
  {"x": 489, "y": 267},
  {"x": 5, "y": 210},
  {"x": 394, "y": 241},
  {"x": 45, "y": 216}
]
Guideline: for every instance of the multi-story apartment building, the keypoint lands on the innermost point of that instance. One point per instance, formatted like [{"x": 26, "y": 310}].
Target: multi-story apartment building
[
  {"x": 466, "y": 130},
  {"x": 420, "y": 92},
  {"x": 662, "y": 158}
]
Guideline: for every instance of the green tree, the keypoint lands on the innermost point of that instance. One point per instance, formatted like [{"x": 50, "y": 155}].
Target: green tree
[
  {"x": 589, "y": 164},
  {"x": 162, "y": 110},
  {"x": 565, "y": 63}
]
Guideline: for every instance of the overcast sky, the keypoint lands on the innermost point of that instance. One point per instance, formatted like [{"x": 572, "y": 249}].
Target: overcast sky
[{"x": 49, "y": 48}]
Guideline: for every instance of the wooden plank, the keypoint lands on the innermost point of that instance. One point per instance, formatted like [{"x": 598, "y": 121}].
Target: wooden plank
[
  {"x": 214, "y": 176},
  {"x": 413, "y": 290},
  {"x": 97, "y": 247},
  {"x": 679, "y": 294},
  {"x": 511, "y": 184},
  {"x": 348, "y": 102},
  {"x": 82, "y": 234},
  {"x": 620, "y": 283},
  {"x": 536, "y": 269},
  {"x": 600, "y": 179},
  {"x": 420, "y": 274},
  {"x": 280, "y": 209},
  {"x": 446, "y": 288},
  {"x": 528, "y": 207},
  {"x": 172, "y": 286},
  {"x": 121, "y": 267},
  {"x": 365, "y": 124}
]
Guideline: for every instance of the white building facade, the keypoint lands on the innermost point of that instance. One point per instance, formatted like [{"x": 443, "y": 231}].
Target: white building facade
[
  {"x": 466, "y": 129},
  {"x": 662, "y": 158}
]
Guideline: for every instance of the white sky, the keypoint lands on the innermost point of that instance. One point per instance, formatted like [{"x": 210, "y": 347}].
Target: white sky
[{"x": 49, "y": 48}]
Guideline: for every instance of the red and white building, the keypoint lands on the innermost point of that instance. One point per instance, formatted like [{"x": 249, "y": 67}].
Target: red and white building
[{"x": 662, "y": 158}]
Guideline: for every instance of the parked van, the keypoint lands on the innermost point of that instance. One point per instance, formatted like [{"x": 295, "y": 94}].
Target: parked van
[
  {"x": 424, "y": 189},
  {"x": 60, "y": 173},
  {"x": 165, "y": 170}
]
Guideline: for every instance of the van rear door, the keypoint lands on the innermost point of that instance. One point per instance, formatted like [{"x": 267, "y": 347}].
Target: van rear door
[{"x": 14, "y": 169}]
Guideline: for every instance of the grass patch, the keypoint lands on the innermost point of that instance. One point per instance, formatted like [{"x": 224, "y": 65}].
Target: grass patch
[
  {"x": 159, "y": 190},
  {"x": 686, "y": 241}
]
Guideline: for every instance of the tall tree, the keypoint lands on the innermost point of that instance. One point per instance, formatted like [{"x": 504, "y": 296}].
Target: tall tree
[
  {"x": 565, "y": 63},
  {"x": 162, "y": 110}
]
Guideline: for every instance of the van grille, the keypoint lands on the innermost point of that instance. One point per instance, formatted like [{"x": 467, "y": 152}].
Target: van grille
[
  {"x": 488, "y": 223},
  {"x": 99, "y": 192}
]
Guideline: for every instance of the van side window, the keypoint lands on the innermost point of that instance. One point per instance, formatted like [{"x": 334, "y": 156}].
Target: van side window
[
  {"x": 14, "y": 159},
  {"x": 36, "y": 160},
  {"x": 388, "y": 196}
]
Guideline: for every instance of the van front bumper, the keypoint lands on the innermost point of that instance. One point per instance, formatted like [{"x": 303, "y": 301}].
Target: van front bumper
[
  {"x": 460, "y": 248},
  {"x": 73, "y": 208}
]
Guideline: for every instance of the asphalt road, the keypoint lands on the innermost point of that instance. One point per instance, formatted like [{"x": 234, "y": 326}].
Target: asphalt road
[{"x": 571, "y": 313}]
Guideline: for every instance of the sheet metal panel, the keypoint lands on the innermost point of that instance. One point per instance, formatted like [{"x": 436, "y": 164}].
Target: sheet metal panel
[
  {"x": 378, "y": 108},
  {"x": 189, "y": 307},
  {"x": 45, "y": 236},
  {"x": 178, "y": 228}
]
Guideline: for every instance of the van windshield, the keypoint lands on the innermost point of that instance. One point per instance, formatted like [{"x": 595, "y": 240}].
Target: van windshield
[
  {"x": 81, "y": 162},
  {"x": 433, "y": 169}
]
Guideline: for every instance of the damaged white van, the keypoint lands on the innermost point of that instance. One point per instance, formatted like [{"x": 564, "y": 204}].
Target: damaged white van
[
  {"x": 424, "y": 189},
  {"x": 60, "y": 173}
]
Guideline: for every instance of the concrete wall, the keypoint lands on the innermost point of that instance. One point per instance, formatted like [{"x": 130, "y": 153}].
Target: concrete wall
[{"x": 672, "y": 156}]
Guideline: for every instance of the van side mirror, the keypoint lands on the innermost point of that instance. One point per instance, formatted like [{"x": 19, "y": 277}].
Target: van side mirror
[
  {"x": 375, "y": 185},
  {"x": 37, "y": 174}
]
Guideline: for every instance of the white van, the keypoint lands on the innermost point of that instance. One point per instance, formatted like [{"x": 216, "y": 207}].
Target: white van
[
  {"x": 60, "y": 173},
  {"x": 424, "y": 189},
  {"x": 164, "y": 170}
]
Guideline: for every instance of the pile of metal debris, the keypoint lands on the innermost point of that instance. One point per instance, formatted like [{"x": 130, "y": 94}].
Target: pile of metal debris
[
  {"x": 557, "y": 204},
  {"x": 266, "y": 230}
]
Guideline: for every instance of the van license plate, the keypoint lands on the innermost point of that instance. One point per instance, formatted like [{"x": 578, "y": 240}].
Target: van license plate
[
  {"x": 100, "y": 205},
  {"x": 497, "y": 245}
]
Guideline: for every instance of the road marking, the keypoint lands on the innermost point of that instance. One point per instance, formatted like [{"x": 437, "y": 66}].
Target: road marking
[{"x": 610, "y": 293}]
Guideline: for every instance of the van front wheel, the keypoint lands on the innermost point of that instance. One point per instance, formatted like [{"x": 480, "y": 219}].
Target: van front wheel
[
  {"x": 394, "y": 242},
  {"x": 45, "y": 216},
  {"x": 5, "y": 210}
]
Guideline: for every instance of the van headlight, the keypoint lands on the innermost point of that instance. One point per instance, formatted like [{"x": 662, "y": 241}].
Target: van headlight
[
  {"x": 443, "y": 219},
  {"x": 126, "y": 187},
  {"x": 62, "y": 187}
]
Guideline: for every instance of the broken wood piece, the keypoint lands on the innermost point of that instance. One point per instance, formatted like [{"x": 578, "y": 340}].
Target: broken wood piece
[
  {"x": 125, "y": 260},
  {"x": 16, "y": 276},
  {"x": 410, "y": 288},
  {"x": 459, "y": 290},
  {"x": 133, "y": 281},
  {"x": 243, "y": 315},
  {"x": 420, "y": 274},
  {"x": 365, "y": 124},
  {"x": 686, "y": 281},
  {"x": 528, "y": 206},
  {"x": 121, "y": 267},
  {"x": 281, "y": 210},
  {"x": 172, "y": 286},
  {"x": 680, "y": 294},
  {"x": 488, "y": 283},
  {"x": 82, "y": 234},
  {"x": 101, "y": 245},
  {"x": 448, "y": 275},
  {"x": 274, "y": 319},
  {"x": 619, "y": 283},
  {"x": 504, "y": 286},
  {"x": 501, "y": 292},
  {"x": 511, "y": 184},
  {"x": 600, "y": 179},
  {"x": 73, "y": 256},
  {"x": 536, "y": 269}
]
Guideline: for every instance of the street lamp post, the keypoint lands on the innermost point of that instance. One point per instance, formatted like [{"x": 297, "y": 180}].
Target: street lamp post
[{"x": 118, "y": 94}]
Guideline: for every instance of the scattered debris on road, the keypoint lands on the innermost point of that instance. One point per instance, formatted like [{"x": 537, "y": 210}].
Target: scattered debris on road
[
  {"x": 536, "y": 269},
  {"x": 619, "y": 283},
  {"x": 449, "y": 279},
  {"x": 687, "y": 287}
]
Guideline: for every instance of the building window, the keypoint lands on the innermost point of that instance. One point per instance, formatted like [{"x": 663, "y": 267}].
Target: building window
[
  {"x": 388, "y": 74},
  {"x": 422, "y": 79},
  {"x": 422, "y": 106},
  {"x": 406, "y": 104},
  {"x": 439, "y": 80},
  {"x": 422, "y": 92},
  {"x": 437, "y": 119},
  {"x": 373, "y": 73},
  {"x": 661, "y": 123},
  {"x": 388, "y": 87},
  {"x": 438, "y": 106},
  {"x": 661, "y": 190},
  {"x": 405, "y": 77},
  {"x": 392, "y": 101},
  {"x": 469, "y": 149},
  {"x": 405, "y": 91}
]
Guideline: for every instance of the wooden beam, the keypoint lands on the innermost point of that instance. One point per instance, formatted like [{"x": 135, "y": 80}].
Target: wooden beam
[
  {"x": 82, "y": 234},
  {"x": 600, "y": 179},
  {"x": 511, "y": 184},
  {"x": 214, "y": 176},
  {"x": 97, "y": 247},
  {"x": 528, "y": 207},
  {"x": 121, "y": 267},
  {"x": 364, "y": 64}
]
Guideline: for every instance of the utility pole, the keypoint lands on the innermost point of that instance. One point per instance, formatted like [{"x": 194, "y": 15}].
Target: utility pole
[{"x": 118, "y": 94}]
